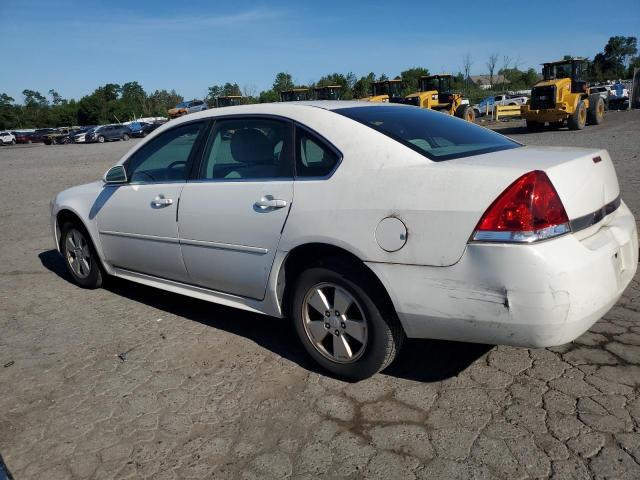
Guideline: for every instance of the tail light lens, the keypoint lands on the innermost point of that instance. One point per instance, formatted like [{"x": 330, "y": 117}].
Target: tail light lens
[{"x": 529, "y": 210}]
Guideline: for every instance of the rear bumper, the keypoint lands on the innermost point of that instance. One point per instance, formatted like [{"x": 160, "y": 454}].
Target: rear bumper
[
  {"x": 535, "y": 295},
  {"x": 544, "y": 115}
]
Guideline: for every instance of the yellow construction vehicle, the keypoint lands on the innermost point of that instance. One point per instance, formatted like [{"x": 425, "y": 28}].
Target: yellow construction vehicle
[
  {"x": 328, "y": 92},
  {"x": 295, "y": 95},
  {"x": 563, "y": 97},
  {"x": 436, "y": 92},
  {"x": 229, "y": 101},
  {"x": 385, "y": 91}
]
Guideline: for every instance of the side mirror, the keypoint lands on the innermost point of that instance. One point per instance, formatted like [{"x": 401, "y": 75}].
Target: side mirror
[{"x": 116, "y": 174}]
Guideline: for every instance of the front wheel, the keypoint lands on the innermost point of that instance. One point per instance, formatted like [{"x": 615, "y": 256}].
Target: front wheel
[
  {"x": 342, "y": 322},
  {"x": 100, "y": 139},
  {"x": 465, "y": 112},
  {"x": 578, "y": 119},
  {"x": 125, "y": 137},
  {"x": 80, "y": 257}
]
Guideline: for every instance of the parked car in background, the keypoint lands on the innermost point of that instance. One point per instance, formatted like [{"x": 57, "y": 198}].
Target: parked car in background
[
  {"x": 59, "y": 136},
  {"x": 485, "y": 239},
  {"x": 142, "y": 129},
  {"x": 604, "y": 91},
  {"x": 37, "y": 136},
  {"x": 107, "y": 133},
  {"x": 486, "y": 106},
  {"x": 79, "y": 136},
  {"x": 7, "y": 138},
  {"x": 187, "y": 107},
  {"x": 23, "y": 137}
]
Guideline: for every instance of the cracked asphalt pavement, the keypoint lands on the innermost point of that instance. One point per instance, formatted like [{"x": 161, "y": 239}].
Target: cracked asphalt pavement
[{"x": 130, "y": 382}]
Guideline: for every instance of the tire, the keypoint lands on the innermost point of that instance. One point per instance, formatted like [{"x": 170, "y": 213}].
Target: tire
[
  {"x": 74, "y": 243},
  {"x": 595, "y": 114},
  {"x": 1, "y": 143},
  {"x": 29, "y": 142},
  {"x": 534, "y": 127},
  {"x": 555, "y": 125},
  {"x": 144, "y": 134},
  {"x": 125, "y": 137},
  {"x": 47, "y": 142},
  {"x": 13, "y": 142},
  {"x": 578, "y": 120},
  {"x": 367, "y": 318},
  {"x": 465, "y": 112},
  {"x": 100, "y": 139}
]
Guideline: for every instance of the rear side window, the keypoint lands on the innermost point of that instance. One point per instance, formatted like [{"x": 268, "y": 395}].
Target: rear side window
[
  {"x": 248, "y": 149},
  {"x": 435, "y": 135},
  {"x": 314, "y": 158}
]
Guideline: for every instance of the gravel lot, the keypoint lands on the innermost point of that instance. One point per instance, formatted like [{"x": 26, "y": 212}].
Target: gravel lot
[{"x": 131, "y": 382}]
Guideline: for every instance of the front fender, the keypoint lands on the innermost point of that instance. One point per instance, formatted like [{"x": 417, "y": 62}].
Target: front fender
[{"x": 84, "y": 202}]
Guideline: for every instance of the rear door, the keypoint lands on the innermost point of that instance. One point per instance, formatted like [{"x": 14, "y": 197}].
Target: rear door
[{"x": 231, "y": 217}]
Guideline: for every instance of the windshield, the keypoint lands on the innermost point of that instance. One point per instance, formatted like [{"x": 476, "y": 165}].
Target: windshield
[
  {"x": 182, "y": 105},
  {"x": 436, "y": 136}
]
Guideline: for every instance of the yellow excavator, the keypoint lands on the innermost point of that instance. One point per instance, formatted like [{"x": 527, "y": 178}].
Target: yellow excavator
[
  {"x": 436, "y": 92},
  {"x": 563, "y": 97},
  {"x": 328, "y": 92},
  {"x": 229, "y": 100},
  {"x": 295, "y": 95},
  {"x": 385, "y": 91}
]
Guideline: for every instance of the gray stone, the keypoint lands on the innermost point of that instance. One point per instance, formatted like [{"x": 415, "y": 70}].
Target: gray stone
[
  {"x": 614, "y": 462},
  {"x": 403, "y": 439}
]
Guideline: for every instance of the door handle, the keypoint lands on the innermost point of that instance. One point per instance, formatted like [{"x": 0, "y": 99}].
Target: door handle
[
  {"x": 160, "y": 201},
  {"x": 268, "y": 202}
]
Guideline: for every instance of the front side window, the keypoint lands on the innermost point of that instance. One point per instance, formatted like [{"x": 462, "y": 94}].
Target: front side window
[
  {"x": 435, "y": 135},
  {"x": 165, "y": 158},
  {"x": 248, "y": 149},
  {"x": 313, "y": 157}
]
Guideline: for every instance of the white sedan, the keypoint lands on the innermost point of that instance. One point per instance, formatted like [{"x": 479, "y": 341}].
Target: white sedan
[{"x": 363, "y": 223}]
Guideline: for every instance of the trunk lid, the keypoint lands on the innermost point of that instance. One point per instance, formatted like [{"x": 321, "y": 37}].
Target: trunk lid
[{"x": 585, "y": 179}]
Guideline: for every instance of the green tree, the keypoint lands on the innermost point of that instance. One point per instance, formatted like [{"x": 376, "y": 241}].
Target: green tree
[
  {"x": 411, "y": 79},
  {"x": 362, "y": 87}
]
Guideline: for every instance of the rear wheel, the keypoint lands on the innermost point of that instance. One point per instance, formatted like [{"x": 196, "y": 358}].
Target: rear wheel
[
  {"x": 466, "y": 113},
  {"x": 578, "y": 120},
  {"x": 534, "y": 126},
  {"x": 125, "y": 137},
  {"x": 342, "y": 322},
  {"x": 595, "y": 114},
  {"x": 80, "y": 257},
  {"x": 100, "y": 139},
  {"x": 13, "y": 142}
]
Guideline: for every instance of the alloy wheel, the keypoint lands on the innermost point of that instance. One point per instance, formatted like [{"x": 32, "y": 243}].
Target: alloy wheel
[
  {"x": 335, "y": 323},
  {"x": 78, "y": 253}
]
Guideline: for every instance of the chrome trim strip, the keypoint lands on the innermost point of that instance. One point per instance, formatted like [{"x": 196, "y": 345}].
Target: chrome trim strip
[
  {"x": 140, "y": 236},
  {"x": 225, "y": 246},
  {"x": 194, "y": 243},
  {"x": 521, "y": 237},
  {"x": 592, "y": 218}
]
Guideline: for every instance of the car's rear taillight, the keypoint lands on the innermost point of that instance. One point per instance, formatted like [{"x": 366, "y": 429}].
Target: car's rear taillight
[{"x": 529, "y": 210}]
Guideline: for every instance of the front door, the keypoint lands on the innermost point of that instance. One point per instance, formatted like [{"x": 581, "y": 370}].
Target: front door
[
  {"x": 231, "y": 217},
  {"x": 137, "y": 220}
]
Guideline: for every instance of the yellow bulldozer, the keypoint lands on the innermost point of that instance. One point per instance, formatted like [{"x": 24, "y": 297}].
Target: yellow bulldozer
[
  {"x": 436, "y": 92},
  {"x": 385, "y": 91},
  {"x": 563, "y": 97},
  {"x": 328, "y": 92},
  {"x": 295, "y": 95},
  {"x": 229, "y": 101}
]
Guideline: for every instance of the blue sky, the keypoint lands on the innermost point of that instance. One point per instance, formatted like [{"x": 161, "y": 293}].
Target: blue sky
[{"x": 75, "y": 46}]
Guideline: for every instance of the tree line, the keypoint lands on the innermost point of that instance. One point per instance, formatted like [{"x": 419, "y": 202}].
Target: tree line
[{"x": 114, "y": 103}]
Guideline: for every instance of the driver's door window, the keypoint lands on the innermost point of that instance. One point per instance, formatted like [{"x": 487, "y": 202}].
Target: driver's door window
[{"x": 165, "y": 158}]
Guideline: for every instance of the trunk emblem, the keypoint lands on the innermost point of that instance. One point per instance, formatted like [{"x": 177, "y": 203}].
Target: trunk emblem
[{"x": 597, "y": 159}]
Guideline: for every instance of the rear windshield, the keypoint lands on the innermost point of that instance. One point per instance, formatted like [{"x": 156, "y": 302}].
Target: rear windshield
[{"x": 435, "y": 135}]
